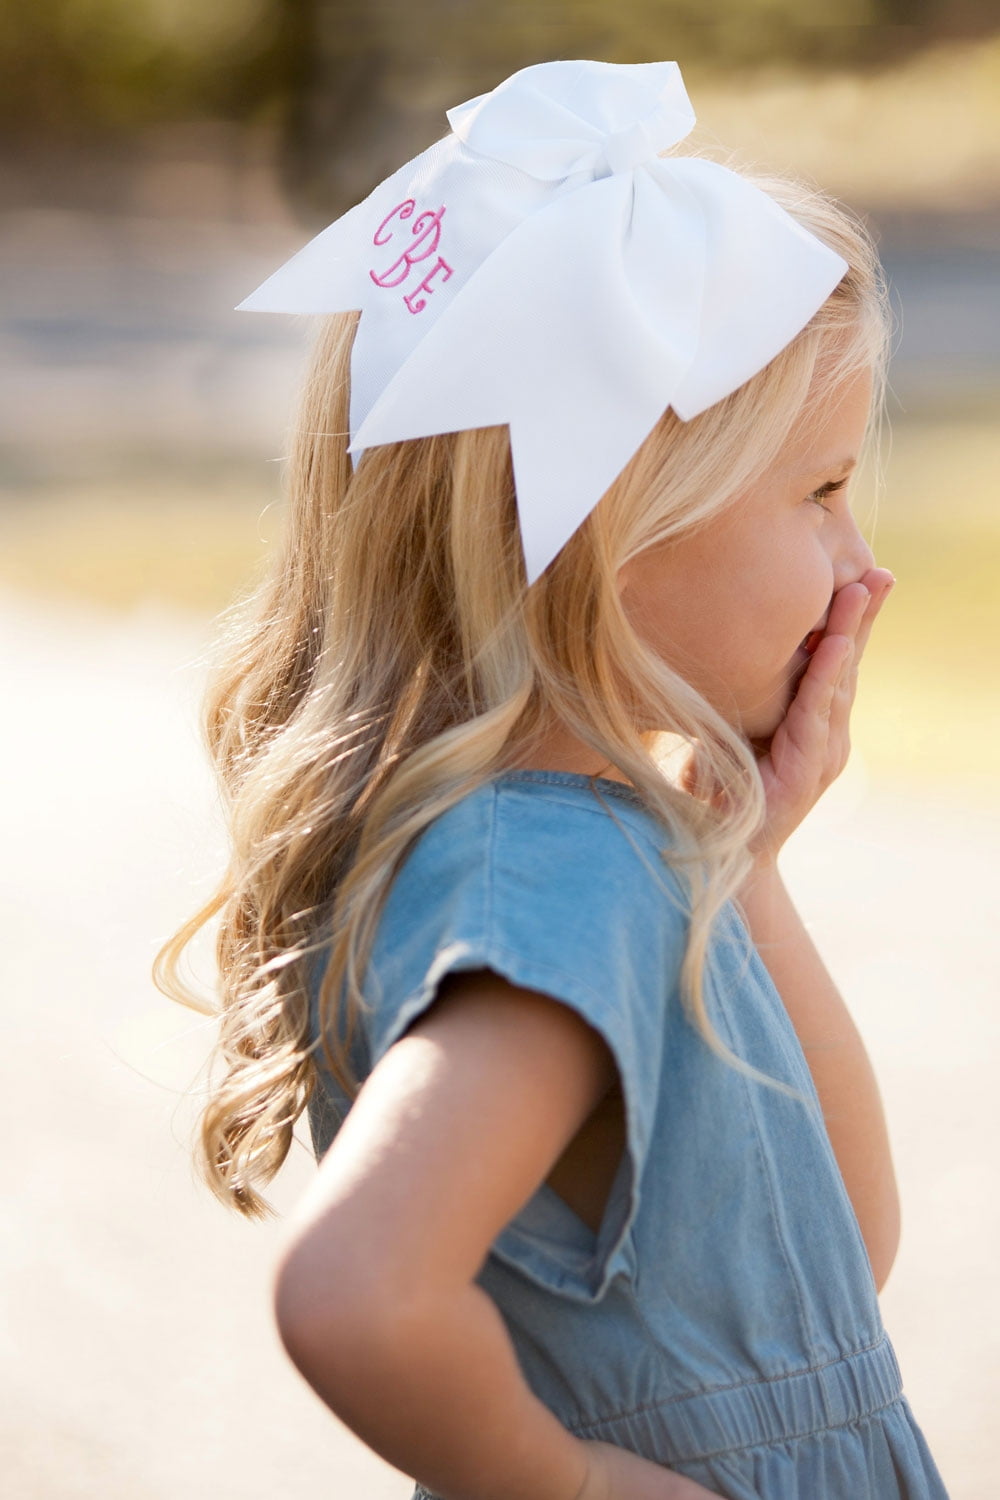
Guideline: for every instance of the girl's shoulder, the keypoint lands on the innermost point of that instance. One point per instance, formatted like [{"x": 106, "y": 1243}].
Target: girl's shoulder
[
  {"x": 534, "y": 850},
  {"x": 526, "y": 818},
  {"x": 554, "y": 880}
]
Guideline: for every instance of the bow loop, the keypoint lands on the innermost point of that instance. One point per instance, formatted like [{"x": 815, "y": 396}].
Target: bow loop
[{"x": 555, "y": 120}]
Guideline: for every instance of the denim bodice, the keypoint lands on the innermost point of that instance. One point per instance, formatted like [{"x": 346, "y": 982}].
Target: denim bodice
[{"x": 723, "y": 1320}]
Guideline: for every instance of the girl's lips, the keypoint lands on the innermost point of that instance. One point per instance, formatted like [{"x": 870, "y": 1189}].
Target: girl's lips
[{"x": 811, "y": 641}]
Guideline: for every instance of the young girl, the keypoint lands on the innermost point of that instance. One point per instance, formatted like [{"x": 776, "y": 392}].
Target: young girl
[{"x": 512, "y": 737}]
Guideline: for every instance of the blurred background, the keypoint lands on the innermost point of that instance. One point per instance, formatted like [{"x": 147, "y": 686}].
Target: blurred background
[{"x": 158, "y": 158}]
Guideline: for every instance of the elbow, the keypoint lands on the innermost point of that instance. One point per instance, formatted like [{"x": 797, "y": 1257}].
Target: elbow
[
  {"x": 318, "y": 1313},
  {"x": 296, "y": 1313},
  {"x": 339, "y": 1315}
]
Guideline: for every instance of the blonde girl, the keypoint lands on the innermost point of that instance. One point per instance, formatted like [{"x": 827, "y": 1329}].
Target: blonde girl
[{"x": 547, "y": 668}]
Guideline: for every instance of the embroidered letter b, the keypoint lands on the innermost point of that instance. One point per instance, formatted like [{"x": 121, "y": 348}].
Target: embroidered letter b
[{"x": 426, "y": 235}]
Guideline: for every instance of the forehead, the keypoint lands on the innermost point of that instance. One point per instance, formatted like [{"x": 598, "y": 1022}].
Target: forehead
[{"x": 829, "y": 437}]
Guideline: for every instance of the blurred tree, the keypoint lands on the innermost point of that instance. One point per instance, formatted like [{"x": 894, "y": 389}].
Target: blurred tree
[
  {"x": 351, "y": 83},
  {"x": 374, "y": 76},
  {"x": 106, "y": 66}
]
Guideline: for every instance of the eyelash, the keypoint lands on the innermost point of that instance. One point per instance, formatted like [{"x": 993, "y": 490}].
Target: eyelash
[{"x": 829, "y": 488}]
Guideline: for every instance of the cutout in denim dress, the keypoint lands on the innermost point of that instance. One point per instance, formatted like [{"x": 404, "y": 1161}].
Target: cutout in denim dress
[{"x": 724, "y": 1320}]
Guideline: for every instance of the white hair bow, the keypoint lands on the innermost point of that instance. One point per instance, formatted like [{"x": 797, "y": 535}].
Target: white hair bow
[{"x": 542, "y": 267}]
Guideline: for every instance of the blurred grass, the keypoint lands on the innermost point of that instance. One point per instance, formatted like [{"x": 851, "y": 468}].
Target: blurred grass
[
  {"x": 929, "y": 704},
  {"x": 923, "y": 131},
  {"x": 154, "y": 536}
]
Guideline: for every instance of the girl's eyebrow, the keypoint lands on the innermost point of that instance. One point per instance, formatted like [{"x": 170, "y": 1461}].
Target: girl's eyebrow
[{"x": 842, "y": 465}]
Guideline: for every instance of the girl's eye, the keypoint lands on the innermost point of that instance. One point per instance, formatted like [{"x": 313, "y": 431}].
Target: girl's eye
[{"x": 818, "y": 496}]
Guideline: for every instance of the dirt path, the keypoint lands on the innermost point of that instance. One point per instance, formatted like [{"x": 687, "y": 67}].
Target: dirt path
[{"x": 139, "y": 1350}]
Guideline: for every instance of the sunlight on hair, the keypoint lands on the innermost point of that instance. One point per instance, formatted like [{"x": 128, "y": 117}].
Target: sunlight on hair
[{"x": 392, "y": 661}]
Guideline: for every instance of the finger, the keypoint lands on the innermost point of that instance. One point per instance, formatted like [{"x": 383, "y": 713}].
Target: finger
[
  {"x": 880, "y": 583},
  {"x": 827, "y": 710},
  {"x": 877, "y": 579},
  {"x": 807, "y": 722},
  {"x": 847, "y": 609},
  {"x": 828, "y": 671}
]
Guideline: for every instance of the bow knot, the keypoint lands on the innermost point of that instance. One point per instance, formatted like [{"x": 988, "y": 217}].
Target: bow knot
[{"x": 630, "y": 148}]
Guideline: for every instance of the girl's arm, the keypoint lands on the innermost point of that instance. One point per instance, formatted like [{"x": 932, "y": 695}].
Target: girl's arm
[
  {"x": 838, "y": 1062},
  {"x": 375, "y": 1295},
  {"x": 808, "y": 750}
]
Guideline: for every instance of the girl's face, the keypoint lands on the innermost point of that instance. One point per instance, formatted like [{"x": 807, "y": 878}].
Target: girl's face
[{"x": 732, "y": 606}]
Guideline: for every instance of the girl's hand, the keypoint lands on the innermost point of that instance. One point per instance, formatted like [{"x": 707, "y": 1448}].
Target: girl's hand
[
  {"x": 809, "y": 749},
  {"x": 618, "y": 1474}
]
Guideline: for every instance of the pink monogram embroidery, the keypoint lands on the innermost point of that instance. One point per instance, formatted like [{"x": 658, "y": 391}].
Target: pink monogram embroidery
[
  {"x": 426, "y": 235},
  {"x": 404, "y": 210},
  {"x": 411, "y": 299}
]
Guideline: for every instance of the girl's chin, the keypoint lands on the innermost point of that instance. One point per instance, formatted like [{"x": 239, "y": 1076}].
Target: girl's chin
[{"x": 760, "y": 741}]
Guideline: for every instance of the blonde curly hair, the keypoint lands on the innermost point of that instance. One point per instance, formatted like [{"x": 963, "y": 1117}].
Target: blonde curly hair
[{"x": 392, "y": 660}]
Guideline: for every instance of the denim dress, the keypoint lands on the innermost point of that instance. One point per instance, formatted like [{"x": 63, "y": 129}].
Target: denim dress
[{"x": 723, "y": 1321}]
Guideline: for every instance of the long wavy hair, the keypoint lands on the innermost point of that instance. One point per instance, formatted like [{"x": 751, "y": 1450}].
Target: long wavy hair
[{"x": 392, "y": 659}]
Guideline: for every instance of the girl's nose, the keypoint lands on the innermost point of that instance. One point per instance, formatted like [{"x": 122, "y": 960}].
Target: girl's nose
[{"x": 855, "y": 557}]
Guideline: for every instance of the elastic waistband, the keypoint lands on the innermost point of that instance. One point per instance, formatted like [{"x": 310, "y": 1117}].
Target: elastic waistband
[{"x": 690, "y": 1428}]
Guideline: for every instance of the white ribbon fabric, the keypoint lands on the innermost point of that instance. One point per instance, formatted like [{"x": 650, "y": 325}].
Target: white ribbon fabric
[{"x": 542, "y": 267}]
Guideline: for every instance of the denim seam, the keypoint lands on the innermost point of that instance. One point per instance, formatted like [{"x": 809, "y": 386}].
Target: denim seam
[
  {"x": 805, "y": 1329},
  {"x": 795, "y": 1437},
  {"x": 572, "y": 982},
  {"x": 804, "y": 1322},
  {"x": 573, "y": 778},
  {"x": 491, "y": 861},
  {"x": 597, "y": 808},
  {"x": 739, "y": 1385}
]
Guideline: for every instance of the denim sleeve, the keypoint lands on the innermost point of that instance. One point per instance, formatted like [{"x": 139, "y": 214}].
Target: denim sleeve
[{"x": 572, "y": 899}]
